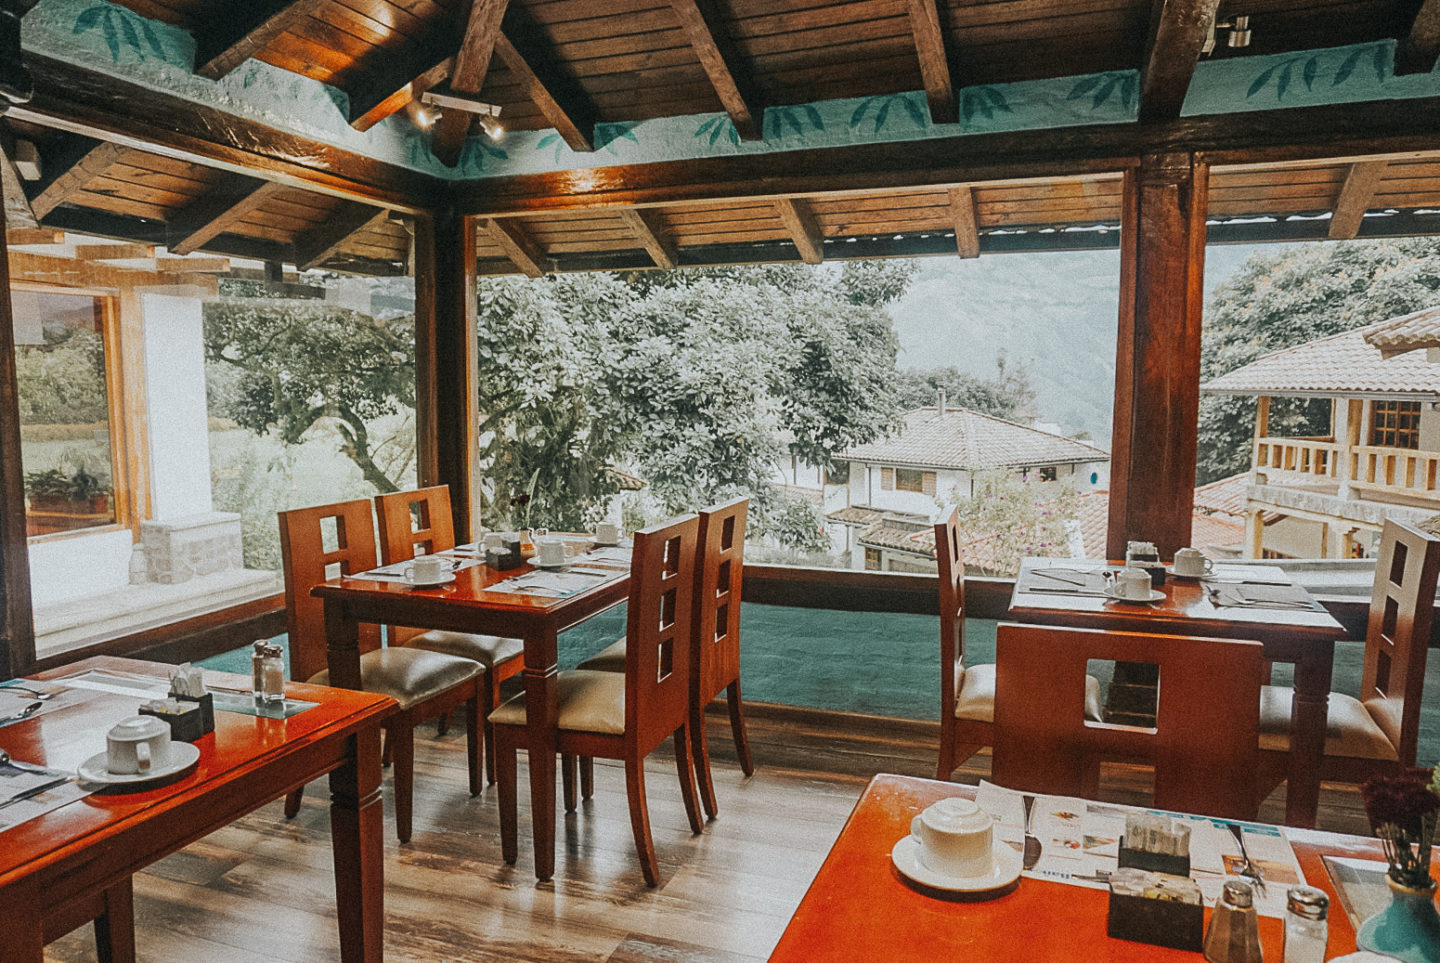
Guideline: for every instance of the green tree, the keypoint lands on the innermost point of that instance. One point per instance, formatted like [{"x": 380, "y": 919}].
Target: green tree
[
  {"x": 1028, "y": 518},
  {"x": 62, "y": 382},
  {"x": 1289, "y": 297},
  {"x": 1007, "y": 395}
]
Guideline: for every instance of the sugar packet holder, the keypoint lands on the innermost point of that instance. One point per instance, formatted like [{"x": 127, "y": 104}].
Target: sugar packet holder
[
  {"x": 187, "y": 685},
  {"x": 1156, "y": 908}
]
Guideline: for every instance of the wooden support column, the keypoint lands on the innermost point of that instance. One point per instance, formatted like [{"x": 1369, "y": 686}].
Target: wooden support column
[
  {"x": 17, "y": 623},
  {"x": 445, "y": 362},
  {"x": 1157, "y": 368}
]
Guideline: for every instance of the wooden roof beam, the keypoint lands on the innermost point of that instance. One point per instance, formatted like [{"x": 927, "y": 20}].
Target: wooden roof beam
[
  {"x": 17, "y": 210},
  {"x": 803, "y": 228},
  {"x": 651, "y": 234},
  {"x": 319, "y": 244},
  {"x": 113, "y": 252},
  {"x": 1356, "y": 196},
  {"x": 67, "y": 176},
  {"x": 518, "y": 246},
  {"x": 701, "y": 23},
  {"x": 223, "y": 43},
  {"x": 221, "y": 208},
  {"x": 934, "y": 62},
  {"x": 1416, "y": 53},
  {"x": 19, "y": 236},
  {"x": 1178, "y": 30},
  {"x": 966, "y": 217},
  {"x": 472, "y": 63},
  {"x": 554, "y": 90},
  {"x": 396, "y": 85}
]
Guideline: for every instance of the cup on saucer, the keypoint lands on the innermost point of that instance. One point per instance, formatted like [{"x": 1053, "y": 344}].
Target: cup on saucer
[
  {"x": 607, "y": 533},
  {"x": 1133, "y": 583},
  {"x": 1190, "y": 563},
  {"x": 956, "y": 838},
  {"x": 427, "y": 568},
  {"x": 550, "y": 551},
  {"x": 137, "y": 745}
]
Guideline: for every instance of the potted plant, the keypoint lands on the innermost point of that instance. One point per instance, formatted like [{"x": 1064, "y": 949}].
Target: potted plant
[
  {"x": 90, "y": 491},
  {"x": 1404, "y": 809},
  {"x": 49, "y": 490}
]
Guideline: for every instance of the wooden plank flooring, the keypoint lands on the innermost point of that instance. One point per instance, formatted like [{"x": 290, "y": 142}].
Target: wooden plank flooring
[{"x": 260, "y": 891}]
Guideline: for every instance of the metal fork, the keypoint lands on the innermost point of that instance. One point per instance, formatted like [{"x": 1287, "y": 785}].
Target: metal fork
[{"x": 1247, "y": 869}]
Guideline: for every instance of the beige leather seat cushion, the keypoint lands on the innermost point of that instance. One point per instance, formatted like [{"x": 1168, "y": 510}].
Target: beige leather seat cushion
[
  {"x": 976, "y": 700},
  {"x": 1349, "y": 729},
  {"x": 408, "y": 675},
  {"x": 488, "y": 650},
  {"x": 609, "y": 659},
  {"x": 590, "y": 701}
]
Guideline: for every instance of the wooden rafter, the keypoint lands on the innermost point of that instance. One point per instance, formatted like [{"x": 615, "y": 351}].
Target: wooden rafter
[
  {"x": 934, "y": 62},
  {"x": 225, "y": 42},
  {"x": 18, "y": 212},
  {"x": 66, "y": 179},
  {"x": 319, "y": 244},
  {"x": 472, "y": 63},
  {"x": 702, "y": 25},
  {"x": 553, "y": 89},
  {"x": 518, "y": 246},
  {"x": 804, "y": 230},
  {"x": 1356, "y": 196},
  {"x": 966, "y": 219},
  {"x": 19, "y": 236},
  {"x": 113, "y": 252},
  {"x": 1178, "y": 30},
  {"x": 392, "y": 89},
  {"x": 1417, "y": 53},
  {"x": 192, "y": 265},
  {"x": 650, "y": 232},
  {"x": 217, "y": 211}
]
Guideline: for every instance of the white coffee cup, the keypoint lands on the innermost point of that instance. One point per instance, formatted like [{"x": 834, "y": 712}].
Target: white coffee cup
[
  {"x": 550, "y": 550},
  {"x": 495, "y": 540},
  {"x": 137, "y": 745},
  {"x": 427, "y": 568},
  {"x": 607, "y": 533},
  {"x": 1132, "y": 583},
  {"x": 1189, "y": 561},
  {"x": 956, "y": 837}
]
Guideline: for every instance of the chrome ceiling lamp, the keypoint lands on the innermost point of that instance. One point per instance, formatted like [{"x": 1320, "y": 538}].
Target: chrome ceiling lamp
[
  {"x": 1238, "y": 37},
  {"x": 489, "y": 114}
]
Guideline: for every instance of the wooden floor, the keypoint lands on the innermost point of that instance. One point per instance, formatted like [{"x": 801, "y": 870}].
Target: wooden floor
[{"x": 260, "y": 891}]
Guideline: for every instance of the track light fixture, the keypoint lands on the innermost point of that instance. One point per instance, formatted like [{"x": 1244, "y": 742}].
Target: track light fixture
[
  {"x": 1238, "y": 37},
  {"x": 488, "y": 113}
]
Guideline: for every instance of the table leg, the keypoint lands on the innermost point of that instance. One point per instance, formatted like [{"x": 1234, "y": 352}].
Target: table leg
[
  {"x": 542, "y": 710},
  {"x": 24, "y": 933},
  {"x": 357, "y": 839},
  {"x": 1307, "y": 734},
  {"x": 342, "y": 646}
]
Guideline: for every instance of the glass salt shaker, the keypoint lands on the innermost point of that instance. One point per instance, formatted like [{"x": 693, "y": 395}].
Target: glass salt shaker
[
  {"x": 1305, "y": 928},
  {"x": 257, "y": 671},
  {"x": 272, "y": 687},
  {"x": 1234, "y": 933}
]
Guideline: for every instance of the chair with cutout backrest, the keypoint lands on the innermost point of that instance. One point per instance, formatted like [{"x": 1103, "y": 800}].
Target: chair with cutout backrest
[
  {"x": 1203, "y": 745},
  {"x": 1379, "y": 731},
  {"x": 422, "y": 519},
  {"x": 625, "y": 716},
  {"x": 425, "y": 684}
]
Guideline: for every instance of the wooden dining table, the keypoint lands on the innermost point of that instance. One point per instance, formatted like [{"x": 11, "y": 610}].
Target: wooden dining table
[
  {"x": 74, "y": 863},
  {"x": 1303, "y": 637},
  {"x": 476, "y": 603},
  {"x": 859, "y": 907}
]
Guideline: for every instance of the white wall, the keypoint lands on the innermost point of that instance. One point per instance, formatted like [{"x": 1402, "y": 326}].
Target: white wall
[
  {"x": 175, "y": 386},
  {"x": 78, "y": 566}
]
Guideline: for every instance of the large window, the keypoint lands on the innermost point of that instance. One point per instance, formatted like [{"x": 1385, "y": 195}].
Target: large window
[
  {"x": 1395, "y": 424},
  {"x": 63, "y": 363}
]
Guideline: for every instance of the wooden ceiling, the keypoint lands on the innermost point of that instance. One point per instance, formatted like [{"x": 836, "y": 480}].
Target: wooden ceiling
[{"x": 570, "y": 64}]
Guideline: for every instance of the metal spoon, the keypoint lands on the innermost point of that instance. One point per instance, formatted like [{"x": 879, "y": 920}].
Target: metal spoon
[
  {"x": 22, "y": 714},
  {"x": 44, "y": 695}
]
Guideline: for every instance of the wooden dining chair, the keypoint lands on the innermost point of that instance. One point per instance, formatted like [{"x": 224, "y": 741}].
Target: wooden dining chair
[
  {"x": 613, "y": 715},
  {"x": 422, "y": 520},
  {"x": 425, "y": 684},
  {"x": 715, "y": 668},
  {"x": 1379, "y": 731},
  {"x": 967, "y": 690},
  {"x": 1203, "y": 744}
]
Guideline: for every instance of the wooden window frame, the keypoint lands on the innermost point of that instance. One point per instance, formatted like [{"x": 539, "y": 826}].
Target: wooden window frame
[
  {"x": 1395, "y": 424},
  {"x": 910, "y": 480},
  {"x": 873, "y": 555}
]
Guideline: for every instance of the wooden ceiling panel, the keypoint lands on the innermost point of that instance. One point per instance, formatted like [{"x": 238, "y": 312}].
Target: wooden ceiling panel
[{"x": 117, "y": 199}]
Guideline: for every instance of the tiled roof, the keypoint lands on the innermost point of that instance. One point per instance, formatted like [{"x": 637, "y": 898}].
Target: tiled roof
[
  {"x": 1206, "y": 531},
  {"x": 1226, "y": 496},
  {"x": 1340, "y": 365},
  {"x": 1399, "y": 335},
  {"x": 967, "y": 440},
  {"x": 855, "y": 515}
]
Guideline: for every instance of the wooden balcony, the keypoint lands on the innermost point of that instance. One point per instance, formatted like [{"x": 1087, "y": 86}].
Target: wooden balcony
[{"x": 1382, "y": 474}]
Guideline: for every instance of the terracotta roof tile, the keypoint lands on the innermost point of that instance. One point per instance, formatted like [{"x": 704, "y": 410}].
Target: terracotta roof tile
[
  {"x": 1226, "y": 496},
  {"x": 971, "y": 441},
  {"x": 1341, "y": 365},
  {"x": 1406, "y": 333}
]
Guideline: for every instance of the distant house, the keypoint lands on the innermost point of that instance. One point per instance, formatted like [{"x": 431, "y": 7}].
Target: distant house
[
  {"x": 1327, "y": 496},
  {"x": 896, "y": 487}
]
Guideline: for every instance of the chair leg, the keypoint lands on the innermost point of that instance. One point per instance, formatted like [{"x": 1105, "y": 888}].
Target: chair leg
[
  {"x": 505, "y": 750},
  {"x": 402, "y": 740},
  {"x": 686, "y": 764},
  {"x": 474, "y": 749},
  {"x": 701, "y": 752},
  {"x": 387, "y": 749},
  {"x": 442, "y": 723},
  {"x": 737, "y": 728},
  {"x": 946, "y": 765},
  {"x": 292, "y": 802},
  {"x": 490, "y": 687},
  {"x": 587, "y": 777},
  {"x": 115, "y": 928},
  {"x": 567, "y": 780},
  {"x": 640, "y": 819}
]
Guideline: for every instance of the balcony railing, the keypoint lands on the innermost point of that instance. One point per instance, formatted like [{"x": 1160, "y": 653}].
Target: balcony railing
[
  {"x": 1391, "y": 471},
  {"x": 1314, "y": 457}
]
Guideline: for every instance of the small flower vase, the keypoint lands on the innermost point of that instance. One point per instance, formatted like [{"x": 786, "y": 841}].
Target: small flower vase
[{"x": 1408, "y": 929}]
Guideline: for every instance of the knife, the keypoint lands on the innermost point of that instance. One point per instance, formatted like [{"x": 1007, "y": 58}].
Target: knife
[{"x": 1031, "y": 854}]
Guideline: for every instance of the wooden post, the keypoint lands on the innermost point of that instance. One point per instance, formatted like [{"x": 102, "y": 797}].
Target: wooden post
[
  {"x": 17, "y": 621},
  {"x": 1157, "y": 369},
  {"x": 1262, "y": 431},
  {"x": 445, "y": 362},
  {"x": 1254, "y": 534}
]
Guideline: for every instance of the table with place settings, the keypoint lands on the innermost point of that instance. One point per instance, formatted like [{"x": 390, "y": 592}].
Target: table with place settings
[{"x": 1258, "y": 602}]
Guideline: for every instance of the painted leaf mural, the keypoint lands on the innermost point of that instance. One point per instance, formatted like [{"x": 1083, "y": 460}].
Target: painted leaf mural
[
  {"x": 608, "y": 135},
  {"x": 1282, "y": 74},
  {"x": 123, "y": 31},
  {"x": 783, "y": 121},
  {"x": 909, "y": 104},
  {"x": 717, "y": 127},
  {"x": 985, "y": 101},
  {"x": 1101, "y": 87}
]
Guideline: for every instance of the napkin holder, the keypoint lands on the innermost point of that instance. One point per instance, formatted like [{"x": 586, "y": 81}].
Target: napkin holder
[
  {"x": 185, "y": 717},
  {"x": 502, "y": 559},
  {"x": 1156, "y": 908},
  {"x": 1153, "y": 862}
]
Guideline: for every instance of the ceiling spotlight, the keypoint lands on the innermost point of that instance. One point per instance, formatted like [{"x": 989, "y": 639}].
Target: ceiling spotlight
[
  {"x": 1238, "y": 37},
  {"x": 420, "y": 116},
  {"x": 492, "y": 127}
]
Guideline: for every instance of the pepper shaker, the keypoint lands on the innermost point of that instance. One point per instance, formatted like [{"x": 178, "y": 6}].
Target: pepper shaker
[
  {"x": 1305, "y": 928},
  {"x": 1234, "y": 933},
  {"x": 257, "y": 671},
  {"x": 270, "y": 663}
]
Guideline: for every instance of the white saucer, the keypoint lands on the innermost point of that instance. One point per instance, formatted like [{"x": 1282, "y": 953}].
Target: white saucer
[
  {"x": 183, "y": 756},
  {"x": 1006, "y": 870},
  {"x": 1190, "y": 578},
  {"x": 550, "y": 568},
  {"x": 445, "y": 579},
  {"x": 1155, "y": 596},
  {"x": 614, "y": 544}
]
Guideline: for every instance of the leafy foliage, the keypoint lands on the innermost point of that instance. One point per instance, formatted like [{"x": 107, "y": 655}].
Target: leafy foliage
[
  {"x": 62, "y": 382},
  {"x": 1028, "y": 518},
  {"x": 1295, "y": 295},
  {"x": 1007, "y": 395}
]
